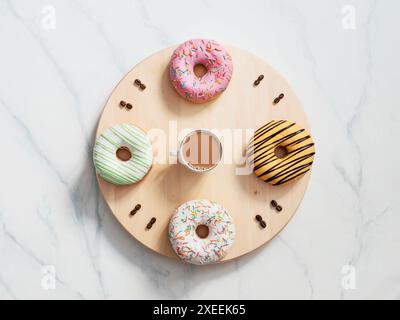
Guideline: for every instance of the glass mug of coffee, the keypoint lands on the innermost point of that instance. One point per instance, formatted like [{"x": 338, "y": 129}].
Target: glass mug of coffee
[{"x": 200, "y": 151}]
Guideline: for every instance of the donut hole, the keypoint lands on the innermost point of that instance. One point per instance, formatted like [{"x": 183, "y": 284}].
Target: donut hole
[
  {"x": 199, "y": 70},
  {"x": 281, "y": 152},
  {"x": 123, "y": 154},
  {"x": 202, "y": 231}
]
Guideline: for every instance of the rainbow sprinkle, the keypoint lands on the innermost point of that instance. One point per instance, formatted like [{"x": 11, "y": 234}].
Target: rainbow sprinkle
[
  {"x": 188, "y": 245},
  {"x": 213, "y": 56}
]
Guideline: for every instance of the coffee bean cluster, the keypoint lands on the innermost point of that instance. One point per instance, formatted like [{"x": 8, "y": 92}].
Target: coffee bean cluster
[
  {"x": 135, "y": 210},
  {"x": 279, "y": 98},
  {"x": 123, "y": 104},
  {"x": 263, "y": 224},
  {"x": 276, "y": 206},
  {"x": 139, "y": 84},
  {"x": 151, "y": 222},
  {"x": 259, "y": 79}
]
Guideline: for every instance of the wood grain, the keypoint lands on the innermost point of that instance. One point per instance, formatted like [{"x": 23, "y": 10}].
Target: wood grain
[{"x": 241, "y": 106}]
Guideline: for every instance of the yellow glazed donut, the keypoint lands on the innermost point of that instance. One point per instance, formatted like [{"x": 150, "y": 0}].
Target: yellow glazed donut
[{"x": 281, "y": 151}]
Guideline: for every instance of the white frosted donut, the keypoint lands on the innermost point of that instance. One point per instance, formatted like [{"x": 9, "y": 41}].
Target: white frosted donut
[
  {"x": 184, "y": 239},
  {"x": 114, "y": 170}
]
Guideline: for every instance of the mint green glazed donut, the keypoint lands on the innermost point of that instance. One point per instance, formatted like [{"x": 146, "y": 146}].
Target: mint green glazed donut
[{"x": 114, "y": 170}]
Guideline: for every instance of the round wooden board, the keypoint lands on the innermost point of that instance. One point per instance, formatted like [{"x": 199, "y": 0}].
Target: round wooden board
[{"x": 241, "y": 106}]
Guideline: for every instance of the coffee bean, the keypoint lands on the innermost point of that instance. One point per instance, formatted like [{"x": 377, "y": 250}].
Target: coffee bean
[
  {"x": 274, "y": 203},
  {"x": 279, "y": 208},
  {"x": 258, "y": 218},
  {"x": 257, "y": 82},
  {"x": 281, "y": 96},
  {"x": 138, "y": 82},
  {"x": 142, "y": 86},
  {"x": 136, "y": 209},
  {"x": 153, "y": 220},
  {"x": 261, "y": 77},
  {"x": 122, "y": 103},
  {"x": 263, "y": 224},
  {"x": 277, "y": 100},
  {"x": 149, "y": 226},
  {"x": 129, "y": 106}
]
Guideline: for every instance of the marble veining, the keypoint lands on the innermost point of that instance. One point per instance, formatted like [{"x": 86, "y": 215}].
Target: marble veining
[{"x": 60, "y": 60}]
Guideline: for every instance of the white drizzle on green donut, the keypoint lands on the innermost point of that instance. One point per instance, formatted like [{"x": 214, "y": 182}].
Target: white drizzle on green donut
[{"x": 115, "y": 171}]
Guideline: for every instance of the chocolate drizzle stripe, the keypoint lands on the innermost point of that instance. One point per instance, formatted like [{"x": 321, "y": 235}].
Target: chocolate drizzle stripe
[
  {"x": 272, "y": 154},
  {"x": 272, "y": 125},
  {"x": 289, "y": 155},
  {"x": 268, "y": 125},
  {"x": 285, "y": 161},
  {"x": 298, "y": 160},
  {"x": 288, "y": 166},
  {"x": 262, "y": 129},
  {"x": 271, "y": 136},
  {"x": 278, "y": 142},
  {"x": 291, "y": 178},
  {"x": 299, "y": 141},
  {"x": 288, "y": 174},
  {"x": 286, "y": 169}
]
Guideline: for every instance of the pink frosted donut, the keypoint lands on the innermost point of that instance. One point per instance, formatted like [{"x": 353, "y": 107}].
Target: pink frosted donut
[{"x": 213, "y": 57}]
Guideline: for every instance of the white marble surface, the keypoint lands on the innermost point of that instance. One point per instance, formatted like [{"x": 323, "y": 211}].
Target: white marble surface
[{"x": 54, "y": 83}]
